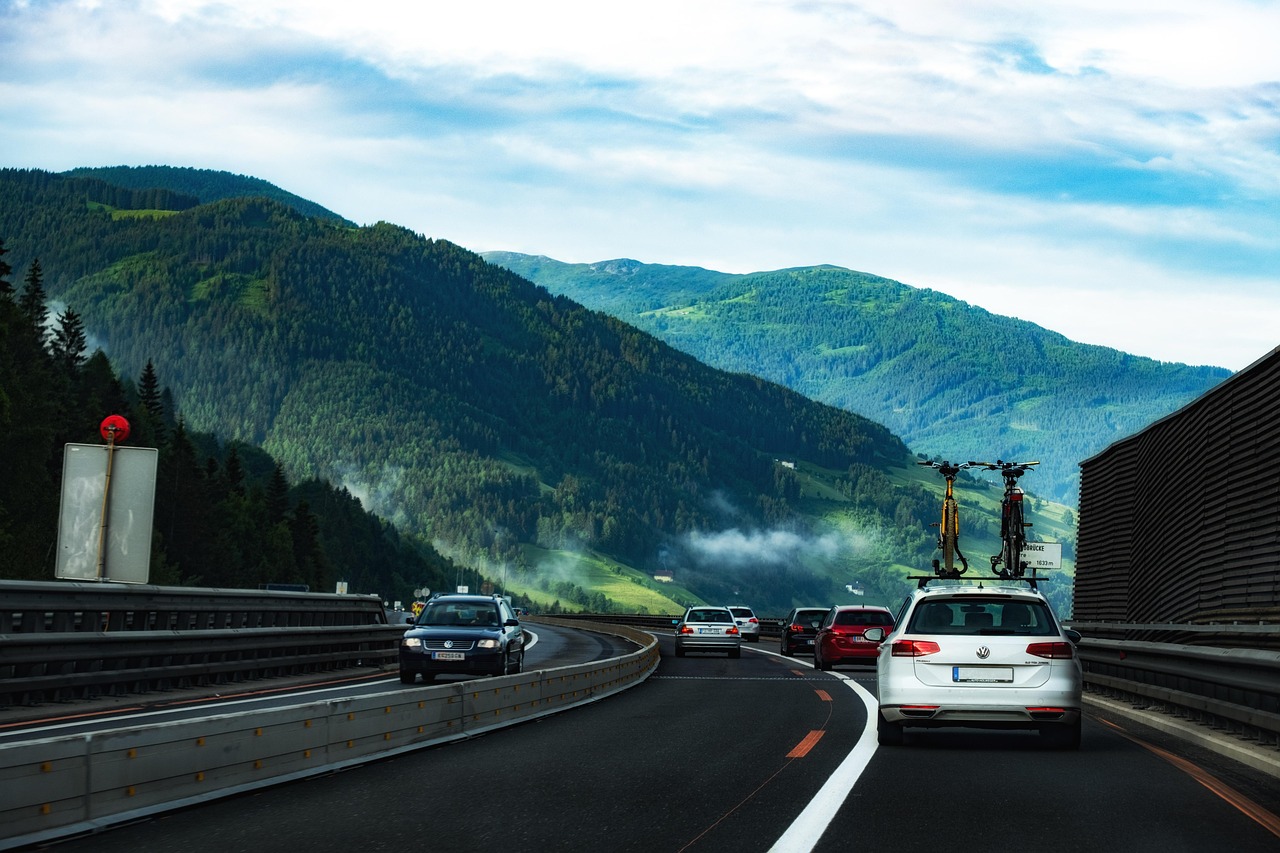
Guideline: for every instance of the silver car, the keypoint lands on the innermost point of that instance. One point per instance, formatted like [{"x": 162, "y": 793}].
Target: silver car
[
  {"x": 707, "y": 629},
  {"x": 982, "y": 657}
]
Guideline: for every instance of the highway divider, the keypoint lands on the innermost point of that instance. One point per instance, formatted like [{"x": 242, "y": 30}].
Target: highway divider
[{"x": 73, "y": 784}]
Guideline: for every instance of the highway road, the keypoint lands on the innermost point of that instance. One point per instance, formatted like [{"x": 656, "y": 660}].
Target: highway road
[{"x": 760, "y": 753}]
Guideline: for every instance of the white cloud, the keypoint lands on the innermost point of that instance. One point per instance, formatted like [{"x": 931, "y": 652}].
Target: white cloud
[{"x": 1032, "y": 158}]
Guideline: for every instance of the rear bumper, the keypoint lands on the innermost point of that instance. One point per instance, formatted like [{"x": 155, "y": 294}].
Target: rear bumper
[{"x": 707, "y": 644}]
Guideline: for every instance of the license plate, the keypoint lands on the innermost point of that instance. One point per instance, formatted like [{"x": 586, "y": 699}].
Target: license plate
[
  {"x": 448, "y": 656},
  {"x": 708, "y": 630},
  {"x": 982, "y": 674},
  {"x": 808, "y": 642}
]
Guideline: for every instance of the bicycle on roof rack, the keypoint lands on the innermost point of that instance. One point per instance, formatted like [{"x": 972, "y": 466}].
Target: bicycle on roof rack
[
  {"x": 949, "y": 526},
  {"x": 1008, "y": 563}
]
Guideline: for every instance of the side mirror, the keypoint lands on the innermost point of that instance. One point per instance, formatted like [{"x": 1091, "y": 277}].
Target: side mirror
[
  {"x": 873, "y": 635},
  {"x": 511, "y": 623},
  {"x": 675, "y": 621},
  {"x": 1073, "y": 635},
  {"x": 408, "y": 620}
]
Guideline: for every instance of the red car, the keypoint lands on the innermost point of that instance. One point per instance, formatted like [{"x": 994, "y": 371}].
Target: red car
[{"x": 840, "y": 639}]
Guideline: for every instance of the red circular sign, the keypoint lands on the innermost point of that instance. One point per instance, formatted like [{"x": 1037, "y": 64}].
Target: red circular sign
[{"x": 114, "y": 428}]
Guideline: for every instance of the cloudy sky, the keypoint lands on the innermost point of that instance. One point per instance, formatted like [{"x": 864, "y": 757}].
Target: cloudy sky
[{"x": 1109, "y": 170}]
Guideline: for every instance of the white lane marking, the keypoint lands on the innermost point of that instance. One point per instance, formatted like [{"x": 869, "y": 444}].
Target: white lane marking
[{"x": 805, "y": 831}]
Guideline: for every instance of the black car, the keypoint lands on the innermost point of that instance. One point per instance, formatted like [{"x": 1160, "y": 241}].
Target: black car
[
  {"x": 462, "y": 634},
  {"x": 799, "y": 629}
]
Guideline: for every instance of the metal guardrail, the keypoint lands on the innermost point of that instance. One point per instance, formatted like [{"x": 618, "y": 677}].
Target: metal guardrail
[
  {"x": 61, "y": 786},
  {"x": 1226, "y": 676},
  {"x": 63, "y": 641}
]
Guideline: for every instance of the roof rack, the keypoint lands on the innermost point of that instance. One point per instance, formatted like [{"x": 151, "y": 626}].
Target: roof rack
[{"x": 922, "y": 581}]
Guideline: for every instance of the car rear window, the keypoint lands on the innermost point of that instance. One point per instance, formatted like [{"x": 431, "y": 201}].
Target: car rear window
[
  {"x": 991, "y": 616},
  {"x": 864, "y": 617},
  {"x": 709, "y": 616}
]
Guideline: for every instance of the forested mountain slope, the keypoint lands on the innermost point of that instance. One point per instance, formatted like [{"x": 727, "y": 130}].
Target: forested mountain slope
[
  {"x": 205, "y": 185},
  {"x": 953, "y": 380},
  {"x": 463, "y": 403}
]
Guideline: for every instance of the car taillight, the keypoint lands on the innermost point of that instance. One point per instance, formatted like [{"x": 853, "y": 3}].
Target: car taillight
[
  {"x": 732, "y": 630},
  {"x": 914, "y": 648},
  {"x": 754, "y": 621},
  {"x": 795, "y": 629},
  {"x": 685, "y": 629},
  {"x": 1052, "y": 650}
]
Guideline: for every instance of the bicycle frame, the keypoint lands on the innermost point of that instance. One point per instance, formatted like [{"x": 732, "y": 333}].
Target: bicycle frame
[
  {"x": 949, "y": 525},
  {"x": 1013, "y": 526}
]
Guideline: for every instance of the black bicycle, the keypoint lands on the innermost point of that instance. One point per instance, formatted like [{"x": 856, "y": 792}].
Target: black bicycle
[
  {"x": 949, "y": 526},
  {"x": 1013, "y": 524}
]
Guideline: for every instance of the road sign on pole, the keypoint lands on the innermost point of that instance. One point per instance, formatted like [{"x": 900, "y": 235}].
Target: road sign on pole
[{"x": 105, "y": 533}]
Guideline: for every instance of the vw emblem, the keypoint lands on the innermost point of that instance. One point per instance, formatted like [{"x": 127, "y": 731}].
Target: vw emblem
[
  {"x": 983, "y": 652},
  {"x": 448, "y": 644}
]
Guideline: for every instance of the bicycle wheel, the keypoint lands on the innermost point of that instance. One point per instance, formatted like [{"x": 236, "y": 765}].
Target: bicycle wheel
[
  {"x": 1015, "y": 539},
  {"x": 947, "y": 534}
]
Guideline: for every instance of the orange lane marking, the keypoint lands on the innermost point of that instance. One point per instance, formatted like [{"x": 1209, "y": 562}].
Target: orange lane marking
[
  {"x": 823, "y": 695},
  {"x": 802, "y": 748},
  {"x": 69, "y": 717},
  {"x": 1259, "y": 814},
  {"x": 799, "y": 673}
]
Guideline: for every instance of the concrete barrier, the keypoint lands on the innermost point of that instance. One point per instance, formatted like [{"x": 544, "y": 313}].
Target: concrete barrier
[{"x": 62, "y": 786}]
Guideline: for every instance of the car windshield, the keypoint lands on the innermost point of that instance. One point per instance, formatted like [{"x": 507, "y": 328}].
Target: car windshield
[
  {"x": 461, "y": 613},
  {"x": 741, "y": 612},
  {"x": 806, "y": 617},
  {"x": 709, "y": 616},
  {"x": 864, "y": 617},
  {"x": 976, "y": 616}
]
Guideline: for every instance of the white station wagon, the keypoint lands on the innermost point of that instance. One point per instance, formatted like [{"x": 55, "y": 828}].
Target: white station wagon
[{"x": 982, "y": 657}]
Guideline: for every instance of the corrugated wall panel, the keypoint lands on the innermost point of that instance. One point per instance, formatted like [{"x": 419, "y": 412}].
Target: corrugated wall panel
[{"x": 1181, "y": 522}]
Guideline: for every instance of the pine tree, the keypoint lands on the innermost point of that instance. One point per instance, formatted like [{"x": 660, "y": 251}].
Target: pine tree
[
  {"x": 152, "y": 400},
  {"x": 69, "y": 341},
  {"x": 234, "y": 471},
  {"x": 6, "y": 289},
  {"x": 277, "y": 496},
  {"x": 32, "y": 301}
]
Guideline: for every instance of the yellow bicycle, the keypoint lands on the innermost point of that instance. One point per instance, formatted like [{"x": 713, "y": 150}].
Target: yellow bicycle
[{"x": 949, "y": 526}]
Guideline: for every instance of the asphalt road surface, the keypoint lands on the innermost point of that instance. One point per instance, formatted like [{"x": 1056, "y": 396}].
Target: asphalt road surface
[{"x": 759, "y": 753}]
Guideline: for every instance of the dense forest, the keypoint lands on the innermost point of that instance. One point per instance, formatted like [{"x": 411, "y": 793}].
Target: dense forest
[
  {"x": 463, "y": 405},
  {"x": 950, "y": 378},
  {"x": 226, "y": 514}
]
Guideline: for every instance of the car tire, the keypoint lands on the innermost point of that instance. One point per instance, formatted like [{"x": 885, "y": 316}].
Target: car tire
[
  {"x": 1064, "y": 736},
  {"x": 820, "y": 664},
  {"x": 784, "y": 651},
  {"x": 679, "y": 652},
  {"x": 887, "y": 733},
  {"x": 407, "y": 677},
  {"x": 519, "y": 663},
  {"x": 735, "y": 653}
]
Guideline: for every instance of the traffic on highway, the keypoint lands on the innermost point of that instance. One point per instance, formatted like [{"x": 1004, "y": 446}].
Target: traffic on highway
[{"x": 756, "y": 753}]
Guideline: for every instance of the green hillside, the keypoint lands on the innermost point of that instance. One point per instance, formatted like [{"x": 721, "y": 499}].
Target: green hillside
[
  {"x": 951, "y": 379},
  {"x": 481, "y": 415}
]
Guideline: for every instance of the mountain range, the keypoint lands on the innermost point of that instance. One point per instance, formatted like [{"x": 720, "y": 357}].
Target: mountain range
[
  {"x": 580, "y": 430},
  {"x": 551, "y": 446},
  {"x": 953, "y": 380}
]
